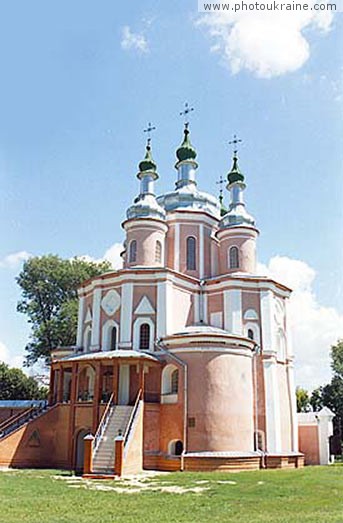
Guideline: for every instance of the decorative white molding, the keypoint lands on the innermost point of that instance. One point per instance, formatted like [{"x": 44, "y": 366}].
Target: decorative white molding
[
  {"x": 96, "y": 319},
  {"x": 177, "y": 246},
  {"x": 87, "y": 340},
  {"x": 144, "y": 307},
  {"x": 107, "y": 335},
  {"x": 205, "y": 307},
  {"x": 255, "y": 329},
  {"x": 233, "y": 311},
  {"x": 196, "y": 307},
  {"x": 126, "y": 314},
  {"x": 88, "y": 318},
  {"x": 161, "y": 320},
  {"x": 272, "y": 405},
  {"x": 201, "y": 251},
  {"x": 250, "y": 314},
  {"x": 243, "y": 282},
  {"x": 267, "y": 321},
  {"x": 110, "y": 302},
  {"x": 136, "y": 332},
  {"x": 80, "y": 321},
  {"x": 216, "y": 319},
  {"x": 293, "y": 405}
]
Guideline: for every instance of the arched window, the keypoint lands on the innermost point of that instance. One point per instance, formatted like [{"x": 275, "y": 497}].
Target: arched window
[
  {"x": 191, "y": 253},
  {"x": 144, "y": 336},
  {"x": 234, "y": 258},
  {"x": 113, "y": 344},
  {"x": 158, "y": 252},
  {"x": 250, "y": 334},
  {"x": 133, "y": 251},
  {"x": 175, "y": 382},
  {"x": 170, "y": 384},
  {"x": 175, "y": 447}
]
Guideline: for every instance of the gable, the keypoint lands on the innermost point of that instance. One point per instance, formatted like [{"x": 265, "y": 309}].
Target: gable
[{"x": 145, "y": 307}]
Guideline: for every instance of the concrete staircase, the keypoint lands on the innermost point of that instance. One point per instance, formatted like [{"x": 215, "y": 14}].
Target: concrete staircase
[{"x": 103, "y": 460}]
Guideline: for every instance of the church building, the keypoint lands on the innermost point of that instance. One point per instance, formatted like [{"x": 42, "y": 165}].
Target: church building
[{"x": 183, "y": 359}]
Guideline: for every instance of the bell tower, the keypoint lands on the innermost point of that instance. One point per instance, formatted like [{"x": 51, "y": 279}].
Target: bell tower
[{"x": 237, "y": 232}]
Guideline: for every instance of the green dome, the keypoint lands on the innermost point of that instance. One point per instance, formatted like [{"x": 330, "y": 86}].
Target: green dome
[
  {"x": 186, "y": 150},
  {"x": 235, "y": 174},
  {"x": 148, "y": 163}
]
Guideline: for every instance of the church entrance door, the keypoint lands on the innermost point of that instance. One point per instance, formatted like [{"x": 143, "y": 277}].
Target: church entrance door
[{"x": 124, "y": 385}]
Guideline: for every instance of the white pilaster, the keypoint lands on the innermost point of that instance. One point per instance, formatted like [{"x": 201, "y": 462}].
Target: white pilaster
[
  {"x": 201, "y": 251},
  {"x": 161, "y": 317},
  {"x": 289, "y": 341},
  {"x": 205, "y": 307},
  {"x": 81, "y": 313},
  {"x": 293, "y": 404},
  {"x": 325, "y": 430},
  {"x": 233, "y": 311},
  {"x": 126, "y": 315},
  {"x": 170, "y": 309},
  {"x": 177, "y": 246},
  {"x": 267, "y": 321},
  {"x": 272, "y": 402},
  {"x": 95, "y": 340},
  {"x": 196, "y": 307}
]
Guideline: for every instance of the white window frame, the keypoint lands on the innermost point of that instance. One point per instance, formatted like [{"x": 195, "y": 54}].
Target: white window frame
[
  {"x": 136, "y": 332},
  {"x": 107, "y": 335}
]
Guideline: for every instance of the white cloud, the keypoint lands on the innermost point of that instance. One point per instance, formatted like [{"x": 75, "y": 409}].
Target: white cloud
[
  {"x": 133, "y": 41},
  {"x": 111, "y": 255},
  {"x": 265, "y": 44},
  {"x": 12, "y": 361},
  {"x": 11, "y": 261},
  {"x": 314, "y": 327}
]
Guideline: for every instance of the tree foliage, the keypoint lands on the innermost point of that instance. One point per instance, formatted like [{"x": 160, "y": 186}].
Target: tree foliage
[
  {"x": 15, "y": 385},
  {"x": 331, "y": 395},
  {"x": 49, "y": 299},
  {"x": 303, "y": 400}
]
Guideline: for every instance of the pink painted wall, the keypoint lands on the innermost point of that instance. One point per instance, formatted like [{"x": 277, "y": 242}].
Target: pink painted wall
[{"x": 220, "y": 398}]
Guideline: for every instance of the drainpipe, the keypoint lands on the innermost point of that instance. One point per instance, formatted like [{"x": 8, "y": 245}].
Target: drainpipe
[
  {"x": 201, "y": 301},
  {"x": 257, "y": 351},
  {"x": 160, "y": 345}
]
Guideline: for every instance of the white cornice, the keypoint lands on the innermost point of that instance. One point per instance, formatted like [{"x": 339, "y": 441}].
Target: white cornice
[{"x": 218, "y": 283}]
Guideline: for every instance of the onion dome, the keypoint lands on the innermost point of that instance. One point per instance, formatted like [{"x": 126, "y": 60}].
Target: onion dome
[
  {"x": 148, "y": 164},
  {"x": 235, "y": 174},
  {"x": 186, "y": 150}
]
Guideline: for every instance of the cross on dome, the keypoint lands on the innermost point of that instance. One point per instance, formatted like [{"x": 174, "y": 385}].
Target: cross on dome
[
  {"x": 185, "y": 113},
  {"x": 149, "y": 130}
]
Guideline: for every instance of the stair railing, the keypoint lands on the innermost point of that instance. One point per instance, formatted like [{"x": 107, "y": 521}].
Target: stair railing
[
  {"x": 20, "y": 420},
  {"x": 102, "y": 425},
  {"x": 132, "y": 417}
]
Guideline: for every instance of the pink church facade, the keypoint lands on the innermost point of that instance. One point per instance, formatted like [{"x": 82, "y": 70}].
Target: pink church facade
[{"x": 186, "y": 335}]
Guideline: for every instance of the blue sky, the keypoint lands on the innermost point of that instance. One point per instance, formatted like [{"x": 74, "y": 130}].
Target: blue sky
[{"x": 79, "y": 82}]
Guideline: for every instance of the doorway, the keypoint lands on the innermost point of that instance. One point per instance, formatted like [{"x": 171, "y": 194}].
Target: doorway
[
  {"x": 124, "y": 385},
  {"x": 79, "y": 450}
]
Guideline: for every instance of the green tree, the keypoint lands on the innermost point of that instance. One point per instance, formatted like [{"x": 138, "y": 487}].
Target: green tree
[
  {"x": 49, "y": 299},
  {"x": 15, "y": 385},
  {"x": 303, "y": 400},
  {"x": 316, "y": 399},
  {"x": 337, "y": 359},
  {"x": 331, "y": 395}
]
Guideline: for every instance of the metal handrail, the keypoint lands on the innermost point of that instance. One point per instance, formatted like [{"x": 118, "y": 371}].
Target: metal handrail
[
  {"x": 102, "y": 424},
  {"x": 10, "y": 426},
  {"x": 12, "y": 418},
  {"x": 132, "y": 417}
]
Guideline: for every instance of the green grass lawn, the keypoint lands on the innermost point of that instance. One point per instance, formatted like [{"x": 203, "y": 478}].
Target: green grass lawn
[{"x": 312, "y": 494}]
